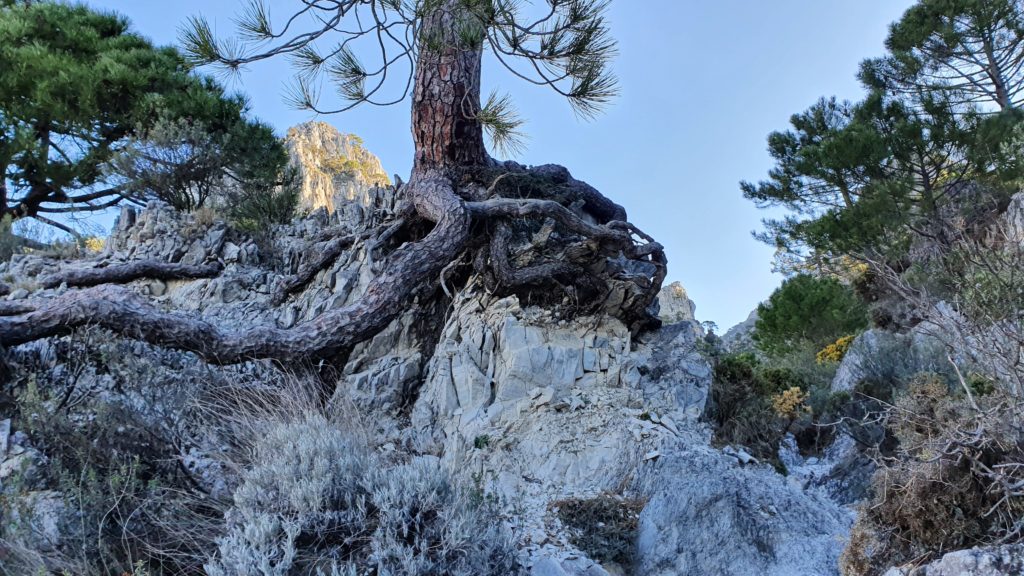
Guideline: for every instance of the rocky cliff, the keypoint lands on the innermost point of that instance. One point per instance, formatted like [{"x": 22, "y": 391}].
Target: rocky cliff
[
  {"x": 334, "y": 168},
  {"x": 544, "y": 413}
]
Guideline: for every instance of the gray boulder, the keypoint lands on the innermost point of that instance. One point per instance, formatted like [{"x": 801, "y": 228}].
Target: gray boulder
[
  {"x": 996, "y": 561},
  {"x": 709, "y": 515}
]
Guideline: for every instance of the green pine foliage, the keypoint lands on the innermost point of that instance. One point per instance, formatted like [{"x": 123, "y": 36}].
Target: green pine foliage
[
  {"x": 77, "y": 86},
  {"x": 808, "y": 312},
  {"x": 864, "y": 179}
]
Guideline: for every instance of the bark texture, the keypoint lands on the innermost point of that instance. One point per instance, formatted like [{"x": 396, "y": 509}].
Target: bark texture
[
  {"x": 446, "y": 97},
  {"x": 328, "y": 335},
  {"x": 129, "y": 271}
]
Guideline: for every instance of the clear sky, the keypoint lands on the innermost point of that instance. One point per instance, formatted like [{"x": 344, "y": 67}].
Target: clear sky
[{"x": 703, "y": 83}]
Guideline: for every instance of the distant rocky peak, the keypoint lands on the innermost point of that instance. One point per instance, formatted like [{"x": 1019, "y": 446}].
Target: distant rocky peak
[{"x": 334, "y": 166}]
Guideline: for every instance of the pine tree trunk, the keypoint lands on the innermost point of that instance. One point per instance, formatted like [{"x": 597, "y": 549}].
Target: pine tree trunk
[
  {"x": 446, "y": 97},
  {"x": 448, "y": 138}
]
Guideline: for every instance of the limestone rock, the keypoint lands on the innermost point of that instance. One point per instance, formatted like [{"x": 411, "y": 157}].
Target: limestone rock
[
  {"x": 995, "y": 561},
  {"x": 536, "y": 407},
  {"x": 1014, "y": 219},
  {"x": 707, "y": 516},
  {"x": 878, "y": 354},
  {"x": 335, "y": 168},
  {"x": 739, "y": 338},
  {"x": 675, "y": 305}
]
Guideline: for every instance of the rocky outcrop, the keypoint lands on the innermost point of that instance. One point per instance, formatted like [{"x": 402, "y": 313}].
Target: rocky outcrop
[
  {"x": 543, "y": 409},
  {"x": 995, "y": 561},
  {"x": 709, "y": 515},
  {"x": 675, "y": 305},
  {"x": 534, "y": 406},
  {"x": 883, "y": 356},
  {"x": 1014, "y": 219},
  {"x": 334, "y": 167},
  {"x": 740, "y": 338}
]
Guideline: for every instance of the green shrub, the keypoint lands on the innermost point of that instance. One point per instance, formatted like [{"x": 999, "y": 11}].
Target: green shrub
[
  {"x": 753, "y": 403},
  {"x": 740, "y": 411},
  {"x": 807, "y": 311}
]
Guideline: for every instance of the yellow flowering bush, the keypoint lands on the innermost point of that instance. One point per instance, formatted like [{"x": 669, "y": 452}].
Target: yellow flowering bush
[
  {"x": 94, "y": 244},
  {"x": 790, "y": 403},
  {"x": 835, "y": 351}
]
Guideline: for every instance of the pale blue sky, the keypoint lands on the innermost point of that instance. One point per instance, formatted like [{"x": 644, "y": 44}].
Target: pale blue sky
[{"x": 703, "y": 83}]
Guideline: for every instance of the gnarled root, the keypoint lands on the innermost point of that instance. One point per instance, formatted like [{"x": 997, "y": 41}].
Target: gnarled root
[
  {"x": 325, "y": 336},
  {"x": 579, "y": 249},
  {"x": 129, "y": 271}
]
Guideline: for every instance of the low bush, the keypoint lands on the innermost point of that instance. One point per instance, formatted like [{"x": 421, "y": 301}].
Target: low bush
[
  {"x": 836, "y": 351},
  {"x": 315, "y": 500},
  {"x": 754, "y": 402},
  {"x": 604, "y": 527},
  {"x": 952, "y": 483},
  {"x": 129, "y": 506}
]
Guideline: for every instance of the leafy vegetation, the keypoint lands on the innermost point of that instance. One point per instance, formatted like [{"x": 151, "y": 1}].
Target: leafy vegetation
[
  {"x": 808, "y": 312},
  {"x": 755, "y": 403},
  {"x": 913, "y": 183},
  {"x": 108, "y": 89}
]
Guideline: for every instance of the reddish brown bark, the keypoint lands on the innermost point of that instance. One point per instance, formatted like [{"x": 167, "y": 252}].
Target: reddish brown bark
[{"x": 446, "y": 97}]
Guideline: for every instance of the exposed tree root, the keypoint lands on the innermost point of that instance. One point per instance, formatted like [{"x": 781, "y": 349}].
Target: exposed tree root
[
  {"x": 16, "y": 307},
  {"x": 326, "y": 254},
  {"x": 512, "y": 278},
  {"x": 327, "y": 335},
  {"x": 574, "y": 255},
  {"x": 129, "y": 271}
]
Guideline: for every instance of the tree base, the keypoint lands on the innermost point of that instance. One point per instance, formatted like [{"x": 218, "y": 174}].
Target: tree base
[{"x": 536, "y": 233}]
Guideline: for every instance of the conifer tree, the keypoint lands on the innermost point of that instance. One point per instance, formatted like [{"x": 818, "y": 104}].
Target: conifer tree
[
  {"x": 75, "y": 85},
  {"x": 460, "y": 207}
]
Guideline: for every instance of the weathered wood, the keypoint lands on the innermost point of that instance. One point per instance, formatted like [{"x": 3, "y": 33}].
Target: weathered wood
[
  {"x": 325, "y": 336},
  {"x": 16, "y": 307},
  {"x": 510, "y": 277},
  {"x": 130, "y": 271},
  {"x": 512, "y": 208}
]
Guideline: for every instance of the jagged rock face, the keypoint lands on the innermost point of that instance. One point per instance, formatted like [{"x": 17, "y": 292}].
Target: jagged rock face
[
  {"x": 708, "y": 515},
  {"x": 996, "y": 561},
  {"x": 675, "y": 305},
  {"x": 334, "y": 167},
  {"x": 543, "y": 409},
  {"x": 1014, "y": 218},
  {"x": 536, "y": 406},
  {"x": 877, "y": 354},
  {"x": 740, "y": 338}
]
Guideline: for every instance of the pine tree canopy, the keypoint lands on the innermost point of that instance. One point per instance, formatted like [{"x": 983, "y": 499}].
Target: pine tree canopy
[
  {"x": 861, "y": 178},
  {"x": 76, "y": 84}
]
